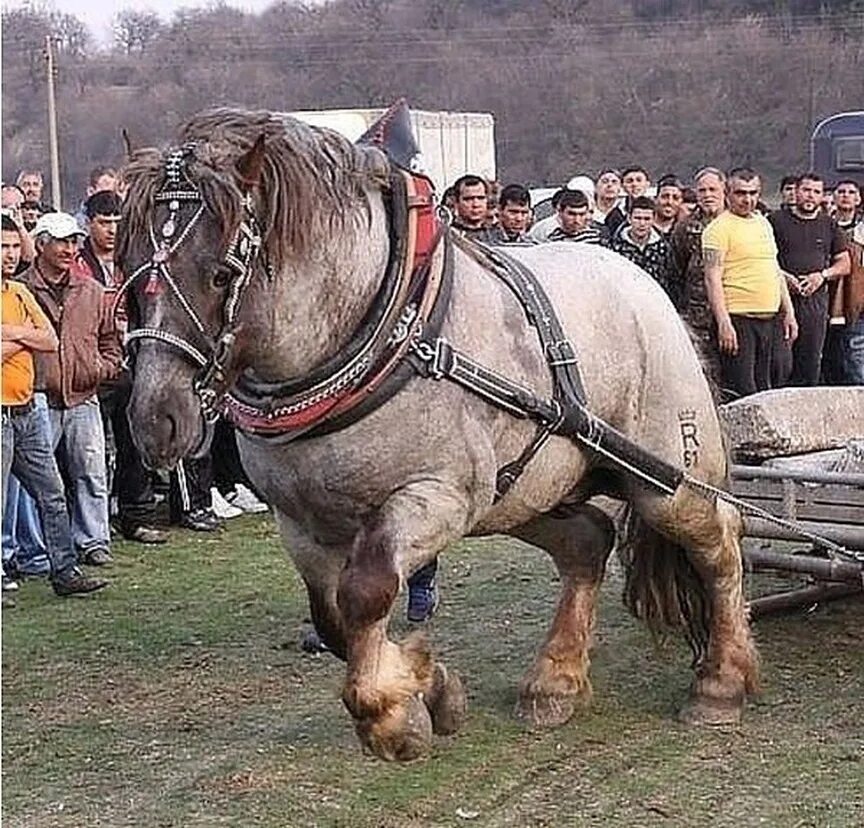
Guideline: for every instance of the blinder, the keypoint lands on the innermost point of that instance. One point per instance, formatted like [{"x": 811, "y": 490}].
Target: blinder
[{"x": 243, "y": 250}]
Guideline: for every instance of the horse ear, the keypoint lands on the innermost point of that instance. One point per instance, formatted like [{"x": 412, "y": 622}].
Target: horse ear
[
  {"x": 250, "y": 166},
  {"x": 127, "y": 142}
]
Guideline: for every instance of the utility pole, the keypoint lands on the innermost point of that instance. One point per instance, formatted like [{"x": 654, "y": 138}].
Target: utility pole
[{"x": 52, "y": 125}]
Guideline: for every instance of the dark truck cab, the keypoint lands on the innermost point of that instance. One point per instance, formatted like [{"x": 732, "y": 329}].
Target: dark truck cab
[{"x": 837, "y": 148}]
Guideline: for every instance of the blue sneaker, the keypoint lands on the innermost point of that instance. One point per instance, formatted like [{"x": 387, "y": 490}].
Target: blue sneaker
[{"x": 423, "y": 594}]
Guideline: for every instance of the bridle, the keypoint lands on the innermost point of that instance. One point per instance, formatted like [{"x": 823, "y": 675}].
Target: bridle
[{"x": 177, "y": 190}]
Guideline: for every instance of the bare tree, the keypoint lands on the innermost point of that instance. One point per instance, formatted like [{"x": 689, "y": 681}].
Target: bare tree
[{"x": 134, "y": 30}]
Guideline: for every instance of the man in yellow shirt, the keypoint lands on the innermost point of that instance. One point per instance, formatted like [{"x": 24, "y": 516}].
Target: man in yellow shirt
[
  {"x": 26, "y": 443},
  {"x": 746, "y": 291}
]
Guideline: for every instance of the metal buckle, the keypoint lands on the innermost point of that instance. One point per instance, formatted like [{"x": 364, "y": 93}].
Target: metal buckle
[
  {"x": 433, "y": 355},
  {"x": 561, "y": 352}
]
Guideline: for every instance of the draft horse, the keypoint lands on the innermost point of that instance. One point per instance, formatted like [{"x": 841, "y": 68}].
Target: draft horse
[{"x": 382, "y": 374}]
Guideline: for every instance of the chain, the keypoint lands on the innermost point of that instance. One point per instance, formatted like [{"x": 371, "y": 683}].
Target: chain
[{"x": 792, "y": 526}]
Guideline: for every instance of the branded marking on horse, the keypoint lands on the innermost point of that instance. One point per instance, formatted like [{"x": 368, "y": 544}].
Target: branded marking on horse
[{"x": 689, "y": 437}]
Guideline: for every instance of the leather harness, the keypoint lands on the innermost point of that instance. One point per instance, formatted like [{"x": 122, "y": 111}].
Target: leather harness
[
  {"x": 566, "y": 412},
  {"x": 410, "y": 302},
  {"x": 415, "y": 349},
  {"x": 398, "y": 339}
]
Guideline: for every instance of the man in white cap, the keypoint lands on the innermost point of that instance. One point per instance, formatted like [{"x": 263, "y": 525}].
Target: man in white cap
[{"x": 89, "y": 354}]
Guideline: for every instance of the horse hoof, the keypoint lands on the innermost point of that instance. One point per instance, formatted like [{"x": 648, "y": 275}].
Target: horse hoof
[
  {"x": 707, "y": 712},
  {"x": 446, "y": 701},
  {"x": 546, "y": 709},
  {"x": 402, "y": 734},
  {"x": 541, "y": 710}
]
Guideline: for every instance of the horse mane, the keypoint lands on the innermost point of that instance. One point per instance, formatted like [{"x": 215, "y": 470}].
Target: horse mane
[{"x": 311, "y": 177}]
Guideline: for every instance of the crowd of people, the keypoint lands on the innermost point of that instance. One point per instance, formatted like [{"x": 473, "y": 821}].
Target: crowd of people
[
  {"x": 69, "y": 461},
  {"x": 773, "y": 298}
]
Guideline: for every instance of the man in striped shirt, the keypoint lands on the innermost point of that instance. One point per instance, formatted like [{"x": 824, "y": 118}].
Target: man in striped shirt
[{"x": 574, "y": 220}]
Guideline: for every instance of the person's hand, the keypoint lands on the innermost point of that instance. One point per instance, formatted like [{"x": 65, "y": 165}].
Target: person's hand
[
  {"x": 793, "y": 283},
  {"x": 810, "y": 283},
  {"x": 727, "y": 337},
  {"x": 790, "y": 328}
]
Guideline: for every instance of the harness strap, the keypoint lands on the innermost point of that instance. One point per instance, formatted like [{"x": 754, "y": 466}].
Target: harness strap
[
  {"x": 558, "y": 350},
  {"x": 566, "y": 412},
  {"x": 169, "y": 339},
  {"x": 439, "y": 360}
]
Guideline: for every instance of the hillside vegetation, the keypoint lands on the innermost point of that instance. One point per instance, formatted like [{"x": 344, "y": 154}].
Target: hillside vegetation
[{"x": 574, "y": 85}]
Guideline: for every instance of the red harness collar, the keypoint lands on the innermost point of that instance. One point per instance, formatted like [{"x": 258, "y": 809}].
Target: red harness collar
[{"x": 417, "y": 290}]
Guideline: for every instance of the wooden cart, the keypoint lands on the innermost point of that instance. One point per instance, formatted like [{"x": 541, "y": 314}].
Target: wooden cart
[{"x": 825, "y": 503}]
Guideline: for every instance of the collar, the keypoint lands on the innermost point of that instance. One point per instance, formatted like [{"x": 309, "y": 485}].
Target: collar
[
  {"x": 464, "y": 228},
  {"x": 699, "y": 215},
  {"x": 803, "y": 217},
  {"x": 403, "y": 306},
  {"x": 519, "y": 235},
  {"x": 653, "y": 238},
  {"x": 69, "y": 279}
]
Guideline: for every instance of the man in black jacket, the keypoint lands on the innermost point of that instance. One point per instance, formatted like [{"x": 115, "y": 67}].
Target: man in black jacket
[{"x": 131, "y": 480}]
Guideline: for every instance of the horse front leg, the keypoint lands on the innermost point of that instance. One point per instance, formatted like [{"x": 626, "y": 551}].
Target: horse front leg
[
  {"x": 397, "y": 695},
  {"x": 557, "y": 681}
]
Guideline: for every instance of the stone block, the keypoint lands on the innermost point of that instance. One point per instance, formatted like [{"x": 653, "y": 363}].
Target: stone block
[{"x": 790, "y": 421}]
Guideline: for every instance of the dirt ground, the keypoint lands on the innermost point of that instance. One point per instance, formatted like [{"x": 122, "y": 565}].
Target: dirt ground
[{"x": 180, "y": 697}]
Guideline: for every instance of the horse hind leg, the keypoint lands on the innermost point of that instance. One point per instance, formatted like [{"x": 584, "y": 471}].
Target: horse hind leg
[
  {"x": 702, "y": 590},
  {"x": 557, "y": 681},
  {"x": 730, "y": 670}
]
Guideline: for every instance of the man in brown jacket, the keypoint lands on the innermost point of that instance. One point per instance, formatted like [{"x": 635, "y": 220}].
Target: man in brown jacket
[{"x": 89, "y": 354}]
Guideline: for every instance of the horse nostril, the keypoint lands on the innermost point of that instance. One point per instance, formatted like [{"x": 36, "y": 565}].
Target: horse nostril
[{"x": 172, "y": 427}]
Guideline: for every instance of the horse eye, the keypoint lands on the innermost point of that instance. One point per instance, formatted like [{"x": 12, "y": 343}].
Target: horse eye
[{"x": 221, "y": 276}]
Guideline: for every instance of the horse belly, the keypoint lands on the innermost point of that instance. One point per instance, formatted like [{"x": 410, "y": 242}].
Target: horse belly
[{"x": 553, "y": 475}]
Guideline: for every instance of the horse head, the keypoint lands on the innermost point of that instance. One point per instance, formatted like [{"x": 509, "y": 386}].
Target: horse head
[{"x": 228, "y": 238}]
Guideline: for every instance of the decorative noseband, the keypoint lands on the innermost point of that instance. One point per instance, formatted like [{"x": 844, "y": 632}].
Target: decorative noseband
[{"x": 178, "y": 189}]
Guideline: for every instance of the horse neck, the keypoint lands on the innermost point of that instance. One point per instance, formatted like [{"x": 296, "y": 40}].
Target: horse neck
[{"x": 316, "y": 304}]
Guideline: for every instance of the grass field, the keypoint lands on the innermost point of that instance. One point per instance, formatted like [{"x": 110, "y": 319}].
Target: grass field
[{"x": 180, "y": 697}]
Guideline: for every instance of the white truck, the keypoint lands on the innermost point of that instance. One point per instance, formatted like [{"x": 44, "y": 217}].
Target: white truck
[{"x": 451, "y": 143}]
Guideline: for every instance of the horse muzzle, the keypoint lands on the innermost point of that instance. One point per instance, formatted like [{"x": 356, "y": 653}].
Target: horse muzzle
[{"x": 166, "y": 424}]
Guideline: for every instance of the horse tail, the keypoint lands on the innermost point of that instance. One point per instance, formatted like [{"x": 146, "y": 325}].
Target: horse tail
[{"x": 661, "y": 586}]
